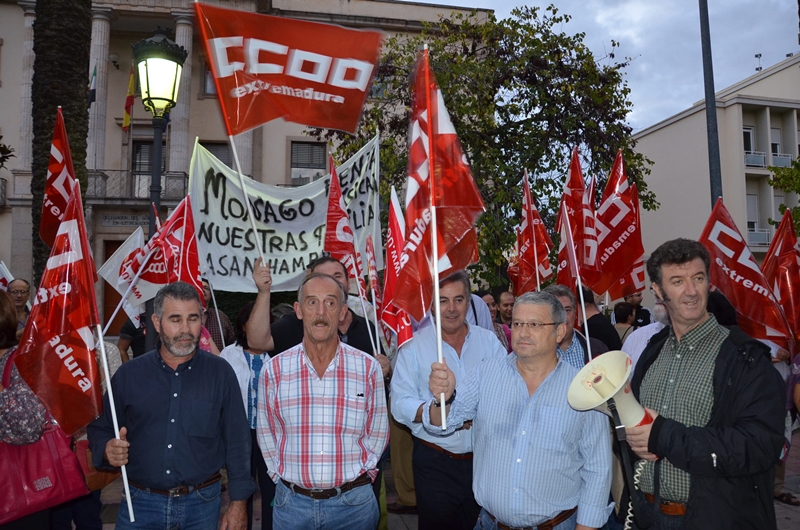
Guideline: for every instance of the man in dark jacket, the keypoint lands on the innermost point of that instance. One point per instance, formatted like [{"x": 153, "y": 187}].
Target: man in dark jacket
[{"x": 708, "y": 458}]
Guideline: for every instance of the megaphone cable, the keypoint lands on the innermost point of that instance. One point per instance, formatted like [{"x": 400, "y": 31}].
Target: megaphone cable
[{"x": 636, "y": 476}]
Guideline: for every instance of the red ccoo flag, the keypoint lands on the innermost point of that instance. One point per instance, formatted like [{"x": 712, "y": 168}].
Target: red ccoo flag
[
  {"x": 434, "y": 149},
  {"x": 56, "y": 355},
  {"x": 269, "y": 67},
  {"x": 736, "y": 274},
  {"x": 57, "y": 189},
  {"x": 177, "y": 241},
  {"x": 394, "y": 317},
  {"x": 782, "y": 270},
  {"x": 634, "y": 280},
  {"x": 532, "y": 265}
]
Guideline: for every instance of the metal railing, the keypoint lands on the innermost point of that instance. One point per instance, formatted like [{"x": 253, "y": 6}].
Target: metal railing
[
  {"x": 755, "y": 159},
  {"x": 759, "y": 237},
  {"x": 122, "y": 184}
]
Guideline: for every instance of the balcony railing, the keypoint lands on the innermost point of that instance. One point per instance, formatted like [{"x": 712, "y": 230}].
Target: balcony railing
[
  {"x": 755, "y": 159},
  {"x": 782, "y": 160},
  {"x": 121, "y": 184},
  {"x": 759, "y": 237}
]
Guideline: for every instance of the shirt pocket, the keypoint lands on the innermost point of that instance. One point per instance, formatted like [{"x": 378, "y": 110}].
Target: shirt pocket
[
  {"x": 205, "y": 419},
  {"x": 354, "y": 414}
]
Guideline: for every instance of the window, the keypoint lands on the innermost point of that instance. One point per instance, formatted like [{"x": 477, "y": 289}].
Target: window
[
  {"x": 749, "y": 139},
  {"x": 142, "y": 167},
  {"x": 208, "y": 88},
  {"x": 778, "y": 200},
  {"x": 308, "y": 162},
  {"x": 220, "y": 150},
  {"x": 752, "y": 212},
  {"x": 775, "y": 141}
]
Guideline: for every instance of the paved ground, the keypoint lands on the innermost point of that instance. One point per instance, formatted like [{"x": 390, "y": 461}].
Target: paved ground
[{"x": 788, "y": 517}]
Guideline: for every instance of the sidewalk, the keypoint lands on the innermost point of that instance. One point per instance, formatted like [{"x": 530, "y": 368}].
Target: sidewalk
[{"x": 788, "y": 517}]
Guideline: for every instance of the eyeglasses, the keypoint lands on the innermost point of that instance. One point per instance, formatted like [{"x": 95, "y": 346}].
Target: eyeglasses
[
  {"x": 18, "y": 293},
  {"x": 531, "y": 325}
]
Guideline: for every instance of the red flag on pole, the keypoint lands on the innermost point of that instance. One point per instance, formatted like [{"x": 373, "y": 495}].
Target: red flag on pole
[
  {"x": 177, "y": 241},
  {"x": 56, "y": 356},
  {"x": 433, "y": 140},
  {"x": 394, "y": 317},
  {"x": 737, "y": 275},
  {"x": 782, "y": 270},
  {"x": 634, "y": 280},
  {"x": 377, "y": 296},
  {"x": 532, "y": 265},
  {"x": 579, "y": 206},
  {"x": 57, "y": 189},
  {"x": 269, "y": 67},
  {"x": 339, "y": 236}
]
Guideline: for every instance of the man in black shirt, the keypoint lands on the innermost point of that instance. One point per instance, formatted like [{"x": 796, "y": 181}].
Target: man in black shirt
[
  {"x": 181, "y": 420},
  {"x": 597, "y": 324}
]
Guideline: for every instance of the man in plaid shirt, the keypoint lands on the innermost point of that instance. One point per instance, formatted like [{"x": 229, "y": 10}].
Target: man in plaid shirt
[{"x": 322, "y": 419}]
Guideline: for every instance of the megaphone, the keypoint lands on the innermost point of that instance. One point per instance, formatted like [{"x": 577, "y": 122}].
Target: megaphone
[{"x": 605, "y": 378}]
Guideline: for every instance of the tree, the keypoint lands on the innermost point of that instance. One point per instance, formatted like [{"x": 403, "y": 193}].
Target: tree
[
  {"x": 521, "y": 93},
  {"x": 787, "y": 179},
  {"x": 62, "y": 35}
]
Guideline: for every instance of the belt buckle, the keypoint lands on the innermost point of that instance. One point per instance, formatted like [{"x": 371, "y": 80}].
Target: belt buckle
[{"x": 178, "y": 491}]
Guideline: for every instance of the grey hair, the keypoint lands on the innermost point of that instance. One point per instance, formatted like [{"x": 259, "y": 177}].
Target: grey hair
[
  {"x": 458, "y": 276},
  {"x": 177, "y": 291},
  {"x": 314, "y": 275},
  {"x": 561, "y": 291},
  {"x": 557, "y": 312}
]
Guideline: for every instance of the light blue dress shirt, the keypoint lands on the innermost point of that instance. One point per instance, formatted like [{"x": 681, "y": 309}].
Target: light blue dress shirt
[
  {"x": 535, "y": 456},
  {"x": 413, "y": 369}
]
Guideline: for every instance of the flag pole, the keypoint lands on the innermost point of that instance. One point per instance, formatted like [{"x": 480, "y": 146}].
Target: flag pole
[
  {"x": 128, "y": 290},
  {"x": 219, "y": 320},
  {"x": 378, "y": 226},
  {"x": 574, "y": 259},
  {"x": 533, "y": 232},
  {"x": 434, "y": 233},
  {"x": 111, "y": 404},
  {"x": 361, "y": 296},
  {"x": 246, "y": 198}
]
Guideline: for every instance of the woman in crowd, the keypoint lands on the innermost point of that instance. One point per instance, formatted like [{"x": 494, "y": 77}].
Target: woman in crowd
[{"x": 502, "y": 331}]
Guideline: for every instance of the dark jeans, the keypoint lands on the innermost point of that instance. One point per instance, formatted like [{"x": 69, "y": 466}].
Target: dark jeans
[
  {"x": 85, "y": 511},
  {"x": 661, "y": 521},
  {"x": 444, "y": 490},
  {"x": 265, "y": 484},
  {"x": 199, "y": 510}
]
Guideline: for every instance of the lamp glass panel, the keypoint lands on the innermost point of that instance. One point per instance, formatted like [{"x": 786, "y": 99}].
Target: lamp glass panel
[{"x": 159, "y": 79}]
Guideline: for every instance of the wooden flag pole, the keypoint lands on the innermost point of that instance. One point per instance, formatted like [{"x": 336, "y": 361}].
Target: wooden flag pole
[{"x": 246, "y": 198}]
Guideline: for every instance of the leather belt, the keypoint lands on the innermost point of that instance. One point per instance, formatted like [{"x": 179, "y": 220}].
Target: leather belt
[
  {"x": 320, "y": 494},
  {"x": 179, "y": 491},
  {"x": 454, "y": 456},
  {"x": 668, "y": 507},
  {"x": 547, "y": 525}
]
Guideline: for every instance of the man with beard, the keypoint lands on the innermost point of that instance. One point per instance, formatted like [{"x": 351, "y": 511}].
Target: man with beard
[
  {"x": 181, "y": 420},
  {"x": 322, "y": 419}
]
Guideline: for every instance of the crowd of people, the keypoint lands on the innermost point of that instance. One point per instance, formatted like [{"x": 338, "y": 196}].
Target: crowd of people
[{"x": 301, "y": 405}]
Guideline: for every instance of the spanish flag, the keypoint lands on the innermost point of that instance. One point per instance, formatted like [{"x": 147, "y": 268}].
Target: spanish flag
[{"x": 126, "y": 118}]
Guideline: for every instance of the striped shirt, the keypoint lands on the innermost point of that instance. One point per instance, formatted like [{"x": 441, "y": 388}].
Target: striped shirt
[
  {"x": 535, "y": 456},
  {"x": 679, "y": 385},
  {"x": 322, "y": 432}
]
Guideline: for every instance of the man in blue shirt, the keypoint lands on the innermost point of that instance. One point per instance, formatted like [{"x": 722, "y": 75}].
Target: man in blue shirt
[
  {"x": 442, "y": 464},
  {"x": 537, "y": 461},
  {"x": 181, "y": 420}
]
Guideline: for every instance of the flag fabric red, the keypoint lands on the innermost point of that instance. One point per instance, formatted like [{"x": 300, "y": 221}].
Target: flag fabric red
[
  {"x": 395, "y": 318},
  {"x": 56, "y": 356},
  {"x": 126, "y": 116},
  {"x": 533, "y": 248},
  {"x": 567, "y": 273},
  {"x": 735, "y": 272},
  {"x": 268, "y": 67},
  {"x": 577, "y": 203},
  {"x": 339, "y": 235},
  {"x": 434, "y": 149},
  {"x": 377, "y": 296},
  {"x": 782, "y": 270},
  {"x": 58, "y": 187},
  {"x": 177, "y": 241},
  {"x": 619, "y": 235},
  {"x": 634, "y": 280}
]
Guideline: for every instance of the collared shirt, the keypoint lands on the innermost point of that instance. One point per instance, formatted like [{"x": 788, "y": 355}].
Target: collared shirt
[
  {"x": 679, "y": 385},
  {"x": 247, "y": 367},
  {"x": 637, "y": 341},
  {"x": 535, "y": 456},
  {"x": 413, "y": 369},
  {"x": 321, "y": 432},
  {"x": 183, "y": 424},
  {"x": 574, "y": 354}
]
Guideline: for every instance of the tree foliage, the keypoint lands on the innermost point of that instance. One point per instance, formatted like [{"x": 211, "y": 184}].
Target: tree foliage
[
  {"x": 62, "y": 34},
  {"x": 787, "y": 179},
  {"x": 6, "y": 153},
  {"x": 521, "y": 92}
]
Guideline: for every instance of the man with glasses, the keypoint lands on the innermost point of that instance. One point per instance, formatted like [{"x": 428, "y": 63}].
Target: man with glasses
[
  {"x": 573, "y": 345},
  {"x": 442, "y": 464},
  {"x": 20, "y": 291},
  {"x": 538, "y": 462}
]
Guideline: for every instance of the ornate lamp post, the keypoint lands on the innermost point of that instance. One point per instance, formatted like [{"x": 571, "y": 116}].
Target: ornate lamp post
[{"x": 159, "y": 64}]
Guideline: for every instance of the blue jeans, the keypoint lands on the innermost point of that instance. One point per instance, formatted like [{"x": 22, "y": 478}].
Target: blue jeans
[
  {"x": 486, "y": 523},
  {"x": 199, "y": 510},
  {"x": 352, "y": 510}
]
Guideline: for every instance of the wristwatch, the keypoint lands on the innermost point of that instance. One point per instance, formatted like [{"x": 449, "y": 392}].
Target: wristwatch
[{"x": 448, "y": 402}]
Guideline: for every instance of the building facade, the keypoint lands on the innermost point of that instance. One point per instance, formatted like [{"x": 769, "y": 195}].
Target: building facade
[
  {"x": 758, "y": 128},
  {"x": 120, "y": 163}
]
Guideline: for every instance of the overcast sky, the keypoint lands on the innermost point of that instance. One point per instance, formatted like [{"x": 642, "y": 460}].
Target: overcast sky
[{"x": 663, "y": 38}]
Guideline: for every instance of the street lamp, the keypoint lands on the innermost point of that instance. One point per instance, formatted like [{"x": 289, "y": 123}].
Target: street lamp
[{"x": 159, "y": 63}]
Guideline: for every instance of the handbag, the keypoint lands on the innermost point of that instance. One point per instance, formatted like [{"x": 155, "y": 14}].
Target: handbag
[
  {"x": 96, "y": 479},
  {"x": 36, "y": 476}
]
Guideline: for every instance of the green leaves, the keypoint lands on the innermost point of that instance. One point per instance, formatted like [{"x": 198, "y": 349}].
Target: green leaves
[
  {"x": 6, "y": 153},
  {"x": 787, "y": 179}
]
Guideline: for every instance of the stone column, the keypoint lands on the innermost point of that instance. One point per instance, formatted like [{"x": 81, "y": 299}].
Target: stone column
[
  {"x": 180, "y": 149},
  {"x": 98, "y": 56},
  {"x": 24, "y": 151}
]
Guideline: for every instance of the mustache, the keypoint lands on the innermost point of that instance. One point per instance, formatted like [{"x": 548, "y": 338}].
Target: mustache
[{"x": 320, "y": 320}]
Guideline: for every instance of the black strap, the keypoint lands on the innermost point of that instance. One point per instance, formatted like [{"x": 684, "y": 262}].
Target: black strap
[
  {"x": 619, "y": 429},
  {"x": 474, "y": 311}
]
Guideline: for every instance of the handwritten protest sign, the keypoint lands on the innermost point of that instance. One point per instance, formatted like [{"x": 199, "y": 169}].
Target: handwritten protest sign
[{"x": 290, "y": 221}]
